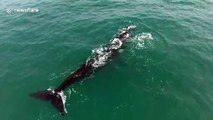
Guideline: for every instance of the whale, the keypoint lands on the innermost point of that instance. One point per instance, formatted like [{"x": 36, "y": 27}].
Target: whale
[{"x": 100, "y": 56}]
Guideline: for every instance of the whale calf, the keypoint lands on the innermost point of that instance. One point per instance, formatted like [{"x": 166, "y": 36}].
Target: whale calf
[{"x": 99, "y": 58}]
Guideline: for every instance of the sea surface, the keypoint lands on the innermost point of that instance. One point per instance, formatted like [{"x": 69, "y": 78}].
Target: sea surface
[{"x": 164, "y": 71}]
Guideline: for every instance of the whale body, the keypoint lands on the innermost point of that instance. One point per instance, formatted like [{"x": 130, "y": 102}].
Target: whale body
[{"x": 99, "y": 58}]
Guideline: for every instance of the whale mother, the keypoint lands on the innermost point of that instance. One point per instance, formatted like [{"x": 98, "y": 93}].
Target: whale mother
[{"x": 99, "y": 58}]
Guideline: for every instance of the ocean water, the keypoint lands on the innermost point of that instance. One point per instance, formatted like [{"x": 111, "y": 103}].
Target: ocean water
[{"x": 164, "y": 72}]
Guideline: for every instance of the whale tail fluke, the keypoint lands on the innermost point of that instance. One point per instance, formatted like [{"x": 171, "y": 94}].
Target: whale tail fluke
[{"x": 56, "y": 98}]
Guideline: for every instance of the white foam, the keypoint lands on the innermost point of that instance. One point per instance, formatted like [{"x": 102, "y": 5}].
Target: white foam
[
  {"x": 140, "y": 40},
  {"x": 101, "y": 59},
  {"x": 146, "y": 36},
  {"x": 74, "y": 90},
  {"x": 131, "y": 27},
  {"x": 50, "y": 89},
  {"x": 63, "y": 97},
  {"x": 69, "y": 91},
  {"x": 103, "y": 53}
]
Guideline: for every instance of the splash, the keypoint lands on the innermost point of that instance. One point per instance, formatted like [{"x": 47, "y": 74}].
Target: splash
[
  {"x": 140, "y": 40},
  {"x": 101, "y": 54},
  {"x": 62, "y": 95}
]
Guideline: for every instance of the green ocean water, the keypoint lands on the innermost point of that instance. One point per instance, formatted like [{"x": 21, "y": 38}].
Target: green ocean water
[{"x": 164, "y": 72}]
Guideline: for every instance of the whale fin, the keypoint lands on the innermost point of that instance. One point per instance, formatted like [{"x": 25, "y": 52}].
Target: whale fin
[{"x": 55, "y": 98}]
